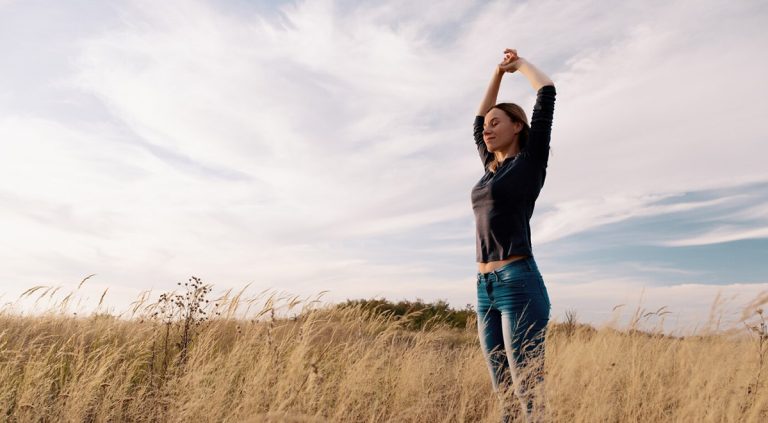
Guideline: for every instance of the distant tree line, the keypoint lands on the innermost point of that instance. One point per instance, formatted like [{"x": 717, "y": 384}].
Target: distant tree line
[{"x": 418, "y": 312}]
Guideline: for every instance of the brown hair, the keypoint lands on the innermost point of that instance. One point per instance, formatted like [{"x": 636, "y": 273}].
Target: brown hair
[{"x": 517, "y": 114}]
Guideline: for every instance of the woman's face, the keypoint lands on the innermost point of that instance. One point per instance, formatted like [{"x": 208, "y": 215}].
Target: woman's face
[{"x": 499, "y": 131}]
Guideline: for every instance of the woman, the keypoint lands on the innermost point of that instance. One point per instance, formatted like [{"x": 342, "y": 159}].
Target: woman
[{"x": 512, "y": 302}]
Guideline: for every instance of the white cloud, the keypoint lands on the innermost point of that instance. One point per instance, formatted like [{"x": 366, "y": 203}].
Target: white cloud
[
  {"x": 346, "y": 124},
  {"x": 718, "y": 235},
  {"x": 757, "y": 211},
  {"x": 581, "y": 215}
]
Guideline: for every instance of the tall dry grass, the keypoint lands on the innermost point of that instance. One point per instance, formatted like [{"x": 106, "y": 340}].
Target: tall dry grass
[{"x": 186, "y": 358}]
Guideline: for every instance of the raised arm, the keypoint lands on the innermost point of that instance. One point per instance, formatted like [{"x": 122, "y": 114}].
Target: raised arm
[
  {"x": 488, "y": 101},
  {"x": 492, "y": 92},
  {"x": 543, "y": 110}
]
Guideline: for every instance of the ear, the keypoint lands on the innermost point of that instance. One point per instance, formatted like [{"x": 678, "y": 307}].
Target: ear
[{"x": 518, "y": 127}]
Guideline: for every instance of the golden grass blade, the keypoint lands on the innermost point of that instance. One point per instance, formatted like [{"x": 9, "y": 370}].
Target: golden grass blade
[{"x": 85, "y": 279}]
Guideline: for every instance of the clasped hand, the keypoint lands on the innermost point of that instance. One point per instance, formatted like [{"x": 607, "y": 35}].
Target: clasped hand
[{"x": 511, "y": 61}]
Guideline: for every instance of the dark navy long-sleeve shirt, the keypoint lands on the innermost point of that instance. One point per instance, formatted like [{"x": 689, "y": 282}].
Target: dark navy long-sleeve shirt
[{"x": 503, "y": 200}]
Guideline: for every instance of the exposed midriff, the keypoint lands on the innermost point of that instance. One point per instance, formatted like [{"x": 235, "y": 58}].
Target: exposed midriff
[{"x": 493, "y": 265}]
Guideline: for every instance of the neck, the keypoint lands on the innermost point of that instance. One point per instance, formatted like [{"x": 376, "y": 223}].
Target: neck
[{"x": 511, "y": 151}]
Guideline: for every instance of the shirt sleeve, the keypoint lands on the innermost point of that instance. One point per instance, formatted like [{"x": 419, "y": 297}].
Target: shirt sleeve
[
  {"x": 541, "y": 124},
  {"x": 485, "y": 156}
]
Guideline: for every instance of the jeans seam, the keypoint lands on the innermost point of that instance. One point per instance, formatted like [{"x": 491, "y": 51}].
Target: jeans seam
[{"x": 544, "y": 295}]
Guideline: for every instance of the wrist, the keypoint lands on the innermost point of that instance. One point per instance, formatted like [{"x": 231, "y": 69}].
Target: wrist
[{"x": 521, "y": 63}]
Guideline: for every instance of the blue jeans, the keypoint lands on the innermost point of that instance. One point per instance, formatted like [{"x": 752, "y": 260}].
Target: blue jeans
[{"x": 512, "y": 314}]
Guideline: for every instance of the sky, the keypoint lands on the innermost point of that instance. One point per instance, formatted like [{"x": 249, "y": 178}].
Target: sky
[{"x": 325, "y": 148}]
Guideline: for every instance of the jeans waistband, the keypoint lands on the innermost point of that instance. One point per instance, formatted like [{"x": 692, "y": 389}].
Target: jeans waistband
[{"x": 527, "y": 264}]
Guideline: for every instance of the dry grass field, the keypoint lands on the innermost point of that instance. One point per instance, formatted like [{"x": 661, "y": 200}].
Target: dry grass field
[{"x": 185, "y": 358}]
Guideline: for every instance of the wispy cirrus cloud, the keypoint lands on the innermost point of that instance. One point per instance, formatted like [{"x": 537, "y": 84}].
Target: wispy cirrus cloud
[
  {"x": 322, "y": 141},
  {"x": 720, "y": 234}
]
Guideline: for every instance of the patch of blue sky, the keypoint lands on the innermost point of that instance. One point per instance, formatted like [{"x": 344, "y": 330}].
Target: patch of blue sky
[
  {"x": 643, "y": 242},
  {"x": 725, "y": 263}
]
